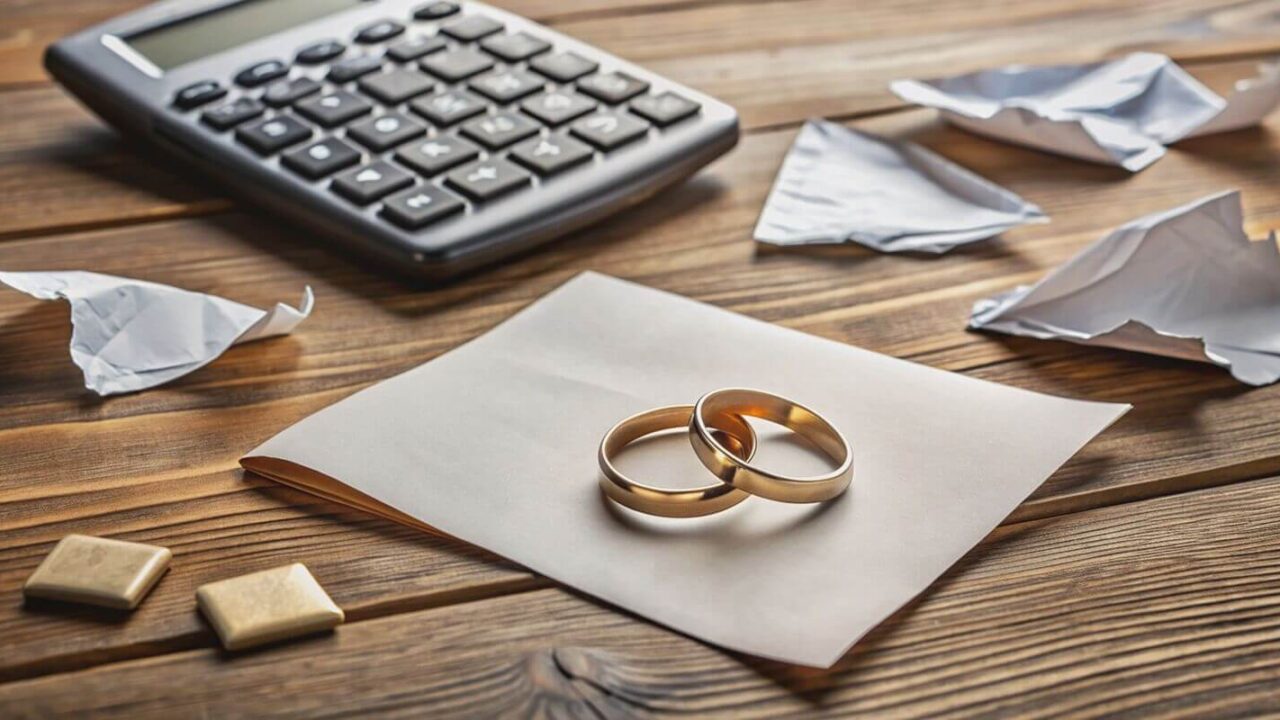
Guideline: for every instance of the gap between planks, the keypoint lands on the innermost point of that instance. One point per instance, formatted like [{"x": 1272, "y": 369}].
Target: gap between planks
[
  {"x": 375, "y": 610},
  {"x": 214, "y": 206}
]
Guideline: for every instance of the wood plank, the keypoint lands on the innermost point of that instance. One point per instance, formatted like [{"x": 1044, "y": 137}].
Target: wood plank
[
  {"x": 63, "y": 170},
  {"x": 31, "y": 26},
  {"x": 784, "y": 61},
  {"x": 161, "y": 464},
  {"x": 822, "y": 54},
  {"x": 1168, "y": 607}
]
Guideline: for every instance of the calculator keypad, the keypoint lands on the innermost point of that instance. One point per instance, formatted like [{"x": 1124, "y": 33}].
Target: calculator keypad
[
  {"x": 471, "y": 27},
  {"x": 456, "y": 65},
  {"x": 369, "y": 182},
  {"x": 201, "y": 93},
  {"x": 323, "y": 51},
  {"x": 385, "y": 131},
  {"x": 499, "y": 130},
  {"x": 448, "y": 107},
  {"x": 607, "y": 130},
  {"x": 352, "y": 68},
  {"x": 613, "y": 88},
  {"x": 273, "y": 134},
  {"x": 563, "y": 67},
  {"x": 420, "y": 205},
  {"x": 435, "y": 10},
  {"x": 557, "y": 107},
  {"x": 506, "y": 86},
  {"x": 228, "y": 115},
  {"x": 396, "y": 86},
  {"x": 321, "y": 158},
  {"x": 380, "y": 31},
  {"x": 262, "y": 73},
  {"x": 334, "y": 108},
  {"x": 287, "y": 92},
  {"x": 413, "y": 48},
  {"x": 487, "y": 179},
  {"x": 412, "y": 116},
  {"x": 550, "y": 155},
  {"x": 435, "y": 155},
  {"x": 664, "y": 109},
  {"x": 515, "y": 47}
]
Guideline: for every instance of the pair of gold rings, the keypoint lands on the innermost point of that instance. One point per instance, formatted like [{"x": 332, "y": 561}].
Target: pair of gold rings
[{"x": 725, "y": 443}]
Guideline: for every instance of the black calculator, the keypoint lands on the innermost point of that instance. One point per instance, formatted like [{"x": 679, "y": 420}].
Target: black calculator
[{"x": 436, "y": 136}]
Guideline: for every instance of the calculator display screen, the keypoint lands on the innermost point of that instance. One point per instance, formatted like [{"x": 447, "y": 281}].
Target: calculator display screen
[{"x": 209, "y": 33}]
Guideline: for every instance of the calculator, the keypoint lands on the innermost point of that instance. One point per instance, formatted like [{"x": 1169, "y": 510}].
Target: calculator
[{"x": 435, "y": 136}]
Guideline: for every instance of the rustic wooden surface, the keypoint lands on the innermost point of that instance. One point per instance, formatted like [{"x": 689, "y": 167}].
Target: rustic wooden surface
[{"x": 1141, "y": 579}]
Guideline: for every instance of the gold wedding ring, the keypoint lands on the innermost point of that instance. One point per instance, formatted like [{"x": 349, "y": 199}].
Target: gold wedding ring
[
  {"x": 738, "y": 471},
  {"x": 737, "y": 439}
]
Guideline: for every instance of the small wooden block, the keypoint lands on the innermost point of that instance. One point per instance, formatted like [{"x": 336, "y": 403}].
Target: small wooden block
[
  {"x": 266, "y": 606},
  {"x": 97, "y": 571}
]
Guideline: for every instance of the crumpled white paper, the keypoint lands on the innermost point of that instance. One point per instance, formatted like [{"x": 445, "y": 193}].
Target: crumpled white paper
[
  {"x": 1121, "y": 112},
  {"x": 840, "y": 185},
  {"x": 1186, "y": 283},
  {"x": 130, "y": 335}
]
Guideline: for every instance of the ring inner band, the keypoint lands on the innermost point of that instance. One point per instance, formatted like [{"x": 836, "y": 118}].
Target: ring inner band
[
  {"x": 739, "y": 472},
  {"x": 732, "y": 433}
]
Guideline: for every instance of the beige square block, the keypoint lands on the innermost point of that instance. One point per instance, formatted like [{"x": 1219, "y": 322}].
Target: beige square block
[
  {"x": 97, "y": 571},
  {"x": 265, "y": 606}
]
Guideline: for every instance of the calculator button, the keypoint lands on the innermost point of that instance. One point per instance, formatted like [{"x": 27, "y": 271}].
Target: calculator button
[
  {"x": 261, "y": 73},
  {"x": 415, "y": 47},
  {"x": 287, "y": 92},
  {"x": 457, "y": 65},
  {"x": 228, "y": 115},
  {"x": 335, "y": 108},
  {"x": 385, "y": 131},
  {"x": 323, "y": 51},
  {"x": 665, "y": 108},
  {"x": 515, "y": 47},
  {"x": 496, "y": 131},
  {"x": 435, "y": 155},
  {"x": 448, "y": 107},
  {"x": 488, "y": 179},
  {"x": 369, "y": 182},
  {"x": 506, "y": 86},
  {"x": 321, "y": 158},
  {"x": 563, "y": 67},
  {"x": 609, "y": 130},
  {"x": 435, "y": 10},
  {"x": 612, "y": 87},
  {"x": 379, "y": 32},
  {"x": 352, "y": 68},
  {"x": 272, "y": 134},
  {"x": 472, "y": 27},
  {"x": 557, "y": 107},
  {"x": 193, "y": 96},
  {"x": 419, "y": 206},
  {"x": 396, "y": 86},
  {"x": 551, "y": 154}
]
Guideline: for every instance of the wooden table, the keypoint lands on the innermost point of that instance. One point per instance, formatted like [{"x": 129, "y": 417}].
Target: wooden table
[{"x": 1142, "y": 578}]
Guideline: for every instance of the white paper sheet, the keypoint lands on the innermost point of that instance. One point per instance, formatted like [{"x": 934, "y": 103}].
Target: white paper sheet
[
  {"x": 130, "y": 335},
  {"x": 1186, "y": 283},
  {"x": 495, "y": 443},
  {"x": 1121, "y": 112},
  {"x": 841, "y": 185}
]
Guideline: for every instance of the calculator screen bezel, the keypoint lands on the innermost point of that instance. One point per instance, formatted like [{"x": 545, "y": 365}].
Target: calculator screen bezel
[{"x": 128, "y": 45}]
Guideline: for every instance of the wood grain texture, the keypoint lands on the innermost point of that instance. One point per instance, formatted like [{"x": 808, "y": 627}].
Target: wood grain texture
[
  {"x": 28, "y": 27},
  {"x": 1163, "y": 608},
  {"x": 66, "y": 170},
  {"x": 160, "y": 463},
  {"x": 439, "y": 622}
]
